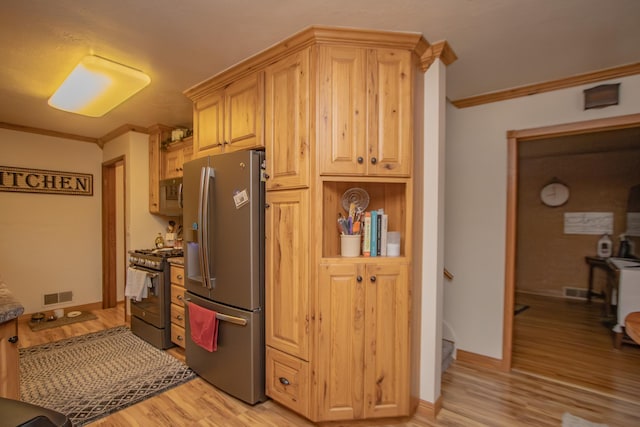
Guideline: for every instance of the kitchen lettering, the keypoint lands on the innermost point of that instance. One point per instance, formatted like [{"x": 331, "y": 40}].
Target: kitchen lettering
[{"x": 44, "y": 181}]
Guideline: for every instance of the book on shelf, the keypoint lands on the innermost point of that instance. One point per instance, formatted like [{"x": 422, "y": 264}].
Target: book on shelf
[
  {"x": 374, "y": 234},
  {"x": 382, "y": 233},
  {"x": 366, "y": 237}
]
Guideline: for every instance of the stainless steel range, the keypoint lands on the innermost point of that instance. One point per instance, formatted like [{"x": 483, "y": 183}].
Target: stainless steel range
[{"x": 150, "y": 314}]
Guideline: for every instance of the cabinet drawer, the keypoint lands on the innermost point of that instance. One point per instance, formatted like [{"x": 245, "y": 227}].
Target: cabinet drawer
[
  {"x": 177, "y": 295},
  {"x": 177, "y": 275},
  {"x": 177, "y": 335},
  {"x": 287, "y": 381},
  {"x": 177, "y": 315}
]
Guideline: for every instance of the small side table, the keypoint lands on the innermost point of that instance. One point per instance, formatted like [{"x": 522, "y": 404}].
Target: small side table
[{"x": 596, "y": 262}]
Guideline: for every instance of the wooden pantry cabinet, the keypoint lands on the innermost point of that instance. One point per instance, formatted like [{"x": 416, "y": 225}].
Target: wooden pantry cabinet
[{"x": 337, "y": 115}]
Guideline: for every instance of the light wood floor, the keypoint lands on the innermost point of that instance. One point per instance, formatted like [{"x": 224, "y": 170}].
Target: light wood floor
[{"x": 472, "y": 396}]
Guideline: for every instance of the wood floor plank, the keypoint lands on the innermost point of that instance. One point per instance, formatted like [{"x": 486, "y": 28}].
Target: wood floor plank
[{"x": 563, "y": 362}]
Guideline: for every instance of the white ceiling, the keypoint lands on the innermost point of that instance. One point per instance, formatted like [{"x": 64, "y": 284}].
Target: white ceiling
[{"x": 500, "y": 44}]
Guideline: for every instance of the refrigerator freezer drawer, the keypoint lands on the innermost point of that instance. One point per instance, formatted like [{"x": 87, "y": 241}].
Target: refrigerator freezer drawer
[{"x": 237, "y": 366}]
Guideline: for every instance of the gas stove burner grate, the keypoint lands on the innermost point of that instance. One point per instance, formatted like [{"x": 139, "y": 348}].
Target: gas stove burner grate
[{"x": 163, "y": 252}]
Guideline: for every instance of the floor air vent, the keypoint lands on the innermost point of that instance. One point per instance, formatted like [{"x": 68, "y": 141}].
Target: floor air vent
[
  {"x": 58, "y": 297},
  {"x": 575, "y": 293}
]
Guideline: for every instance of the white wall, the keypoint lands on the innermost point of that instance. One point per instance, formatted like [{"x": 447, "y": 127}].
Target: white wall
[
  {"x": 51, "y": 243},
  {"x": 475, "y": 201},
  {"x": 141, "y": 227}
]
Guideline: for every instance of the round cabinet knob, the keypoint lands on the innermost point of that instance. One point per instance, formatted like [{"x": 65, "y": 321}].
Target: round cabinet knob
[
  {"x": 179, "y": 317},
  {"x": 374, "y": 160},
  {"x": 372, "y": 279},
  {"x": 359, "y": 278},
  {"x": 266, "y": 175},
  {"x": 179, "y": 297},
  {"x": 180, "y": 338},
  {"x": 180, "y": 276},
  {"x": 360, "y": 160},
  {"x": 13, "y": 339},
  {"x": 284, "y": 381}
]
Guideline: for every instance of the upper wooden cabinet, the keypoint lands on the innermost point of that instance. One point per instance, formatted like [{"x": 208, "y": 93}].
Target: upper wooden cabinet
[
  {"x": 174, "y": 157},
  {"x": 287, "y": 122},
  {"x": 365, "y": 111},
  {"x": 230, "y": 118},
  {"x": 157, "y": 134}
]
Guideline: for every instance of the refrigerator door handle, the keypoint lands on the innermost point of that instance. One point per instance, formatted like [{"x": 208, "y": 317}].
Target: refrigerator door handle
[
  {"x": 224, "y": 317},
  {"x": 206, "y": 175},
  {"x": 231, "y": 319}
]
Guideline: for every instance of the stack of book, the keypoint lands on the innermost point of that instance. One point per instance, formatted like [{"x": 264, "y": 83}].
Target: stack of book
[{"x": 374, "y": 239}]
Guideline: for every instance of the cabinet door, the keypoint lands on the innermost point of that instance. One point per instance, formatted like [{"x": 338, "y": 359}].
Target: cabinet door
[
  {"x": 154, "y": 173},
  {"x": 386, "y": 380},
  {"x": 244, "y": 113},
  {"x": 287, "y": 122},
  {"x": 9, "y": 363},
  {"x": 342, "y": 110},
  {"x": 340, "y": 347},
  {"x": 208, "y": 125},
  {"x": 390, "y": 136},
  {"x": 173, "y": 161},
  {"x": 287, "y": 272}
]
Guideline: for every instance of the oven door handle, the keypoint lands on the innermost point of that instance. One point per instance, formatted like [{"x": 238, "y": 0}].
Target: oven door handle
[
  {"x": 224, "y": 317},
  {"x": 207, "y": 174}
]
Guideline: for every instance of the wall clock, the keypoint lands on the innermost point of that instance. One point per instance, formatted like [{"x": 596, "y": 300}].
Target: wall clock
[{"x": 554, "y": 194}]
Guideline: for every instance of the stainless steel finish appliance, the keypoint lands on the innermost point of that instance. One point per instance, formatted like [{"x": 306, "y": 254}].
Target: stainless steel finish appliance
[
  {"x": 223, "y": 219},
  {"x": 170, "y": 197},
  {"x": 151, "y": 317}
]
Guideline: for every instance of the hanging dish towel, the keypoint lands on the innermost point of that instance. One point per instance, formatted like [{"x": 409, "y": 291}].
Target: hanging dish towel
[
  {"x": 137, "y": 283},
  {"x": 204, "y": 327}
]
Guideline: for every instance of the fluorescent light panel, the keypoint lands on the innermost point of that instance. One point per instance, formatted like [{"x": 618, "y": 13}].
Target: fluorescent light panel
[{"x": 96, "y": 86}]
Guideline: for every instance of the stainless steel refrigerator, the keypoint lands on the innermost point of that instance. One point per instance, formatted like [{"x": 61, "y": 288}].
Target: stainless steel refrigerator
[{"x": 223, "y": 219}]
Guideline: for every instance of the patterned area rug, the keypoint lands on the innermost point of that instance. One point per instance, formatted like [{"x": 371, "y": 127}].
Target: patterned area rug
[{"x": 91, "y": 376}]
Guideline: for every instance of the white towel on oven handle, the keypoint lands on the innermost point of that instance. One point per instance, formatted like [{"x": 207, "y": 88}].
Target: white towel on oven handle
[{"x": 138, "y": 282}]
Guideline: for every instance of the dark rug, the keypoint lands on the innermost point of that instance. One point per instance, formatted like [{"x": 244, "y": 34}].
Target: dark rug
[
  {"x": 519, "y": 308},
  {"x": 93, "y": 375},
  {"x": 64, "y": 320}
]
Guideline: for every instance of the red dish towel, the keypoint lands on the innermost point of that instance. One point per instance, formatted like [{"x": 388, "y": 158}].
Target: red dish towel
[{"x": 204, "y": 327}]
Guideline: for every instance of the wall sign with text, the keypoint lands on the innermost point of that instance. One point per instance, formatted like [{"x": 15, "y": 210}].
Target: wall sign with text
[{"x": 23, "y": 180}]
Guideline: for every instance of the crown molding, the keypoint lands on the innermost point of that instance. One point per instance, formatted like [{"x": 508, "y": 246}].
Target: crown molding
[
  {"x": 580, "y": 79},
  {"x": 438, "y": 50}
]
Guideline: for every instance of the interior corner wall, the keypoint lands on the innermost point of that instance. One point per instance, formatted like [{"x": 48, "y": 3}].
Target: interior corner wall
[
  {"x": 51, "y": 243},
  {"x": 141, "y": 227},
  {"x": 429, "y": 244},
  {"x": 475, "y": 201}
]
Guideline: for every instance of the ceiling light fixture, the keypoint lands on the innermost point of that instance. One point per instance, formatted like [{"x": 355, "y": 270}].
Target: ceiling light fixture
[{"x": 96, "y": 86}]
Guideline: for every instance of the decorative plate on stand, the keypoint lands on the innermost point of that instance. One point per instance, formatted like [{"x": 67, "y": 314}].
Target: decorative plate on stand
[{"x": 358, "y": 196}]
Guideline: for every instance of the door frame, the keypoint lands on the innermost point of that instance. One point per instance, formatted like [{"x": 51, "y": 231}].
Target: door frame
[
  {"x": 109, "y": 234},
  {"x": 513, "y": 138}
]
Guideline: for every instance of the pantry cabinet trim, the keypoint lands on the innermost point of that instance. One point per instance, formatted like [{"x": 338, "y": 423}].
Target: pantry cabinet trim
[{"x": 310, "y": 36}]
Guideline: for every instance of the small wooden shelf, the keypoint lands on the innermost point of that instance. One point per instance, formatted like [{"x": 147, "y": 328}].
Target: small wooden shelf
[{"x": 382, "y": 195}]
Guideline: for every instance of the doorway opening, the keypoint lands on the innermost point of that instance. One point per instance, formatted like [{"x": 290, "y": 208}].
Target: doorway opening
[
  {"x": 113, "y": 232},
  {"x": 535, "y": 139}
]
